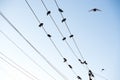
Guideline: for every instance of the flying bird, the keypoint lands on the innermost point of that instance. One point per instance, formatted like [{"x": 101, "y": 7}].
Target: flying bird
[
  {"x": 94, "y": 10},
  {"x": 48, "y": 13},
  {"x": 63, "y": 20},
  {"x": 60, "y": 10},
  {"x": 41, "y": 24}
]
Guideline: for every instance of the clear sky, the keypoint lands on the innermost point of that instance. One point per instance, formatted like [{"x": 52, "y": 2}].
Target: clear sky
[{"x": 96, "y": 33}]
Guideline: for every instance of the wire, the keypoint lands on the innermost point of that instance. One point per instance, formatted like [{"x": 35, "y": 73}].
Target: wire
[
  {"x": 32, "y": 11},
  {"x": 64, "y": 38},
  {"x": 69, "y": 31},
  {"x": 24, "y": 71},
  {"x": 40, "y": 54},
  {"x": 49, "y": 36},
  {"x": 72, "y": 37},
  {"x": 27, "y": 55}
]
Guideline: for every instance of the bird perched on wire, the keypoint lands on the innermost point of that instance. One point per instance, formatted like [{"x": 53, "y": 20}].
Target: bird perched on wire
[
  {"x": 94, "y": 10},
  {"x": 60, "y": 10},
  {"x": 64, "y": 38},
  {"x": 63, "y": 20},
  {"x": 49, "y": 35},
  {"x": 41, "y": 24},
  {"x": 70, "y": 66},
  {"x": 48, "y": 13},
  {"x": 65, "y": 60},
  {"x": 79, "y": 77}
]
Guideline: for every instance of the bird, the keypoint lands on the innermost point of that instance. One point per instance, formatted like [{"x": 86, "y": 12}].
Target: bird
[
  {"x": 60, "y": 10},
  {"x": 71, "y": 36},
  {"x": 63, "y": 20},
  {"x": 48, "y": 35},
  {"x": 48, "y": 13},
  {"x": 80, "y": 61},
  {"x": 64, "y": 38},
  {"x": 41, "y": 24},
  {"x": 94, "y": 10},
  {"x": 85, "y": 62},
  {"x": 90, "y": 73},
  {"x": 102, "y": 69},
  {"x": 70, "y": 66},
  {"x": 65, "y": 60},
  {"x": 79, "y": 77}
]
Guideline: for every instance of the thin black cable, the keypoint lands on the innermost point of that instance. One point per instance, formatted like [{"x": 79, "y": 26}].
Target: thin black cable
[
  {"x": 24, "y": 71},
  {"x": 62, "y": 15},
  {"x": 27, "y": 55},
  {"x": 69, "y": 31},
  {"x": 65, "y": 60},
  {"x": 74, "y": 41},
  {"x": 45, "y": 30},
  {"x": 100, "y": 76},
  {"x": 40, "y": 54},
  {"x": 32, "y": 11},
  {"x": 52, "y": 19},
  {"x": 64, "y": 38}
]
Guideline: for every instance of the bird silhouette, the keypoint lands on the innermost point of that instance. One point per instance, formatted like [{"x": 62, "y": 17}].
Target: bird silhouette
[
  {"x": 64, "y": 38},
  {"x": 60, "y": 10},
  {"x": 48, "y": 13},
  {"x": 90, "y": 73},
  {"x": 49, "y": 35},
  {"x": 94, "y": 10},
  {"x": 41, "y": 24},
  {"x": 80, "y": 61},
  {"x": 63, "y": 20},
  {"x": 85, "y": 62},
  {"x": 102, "y": 69},
  {"x": 71, "y": 36},
  {"x": 65, "y": 60},
  {"x": 79, "y": 77},
  {"x": 70, "y": 66}
]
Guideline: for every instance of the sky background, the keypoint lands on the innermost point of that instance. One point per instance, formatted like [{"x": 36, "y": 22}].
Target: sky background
[{"x": 97, "y": 35}]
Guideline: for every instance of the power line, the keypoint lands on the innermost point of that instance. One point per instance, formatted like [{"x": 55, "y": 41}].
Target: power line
[
  {"x": 74, "y": 41},
  {"x": 64, "y": 38},
  {"x": 71, "y": 35},
  {"x": 22, "y": 70},
  {"x": 27, "y": 55},
  {"x": 49, "y": 36},
  {"x": 40, "y": 54}
]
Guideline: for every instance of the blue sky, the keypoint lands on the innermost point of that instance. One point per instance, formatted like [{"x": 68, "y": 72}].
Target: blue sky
[{"x": 97, "y": 35}]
